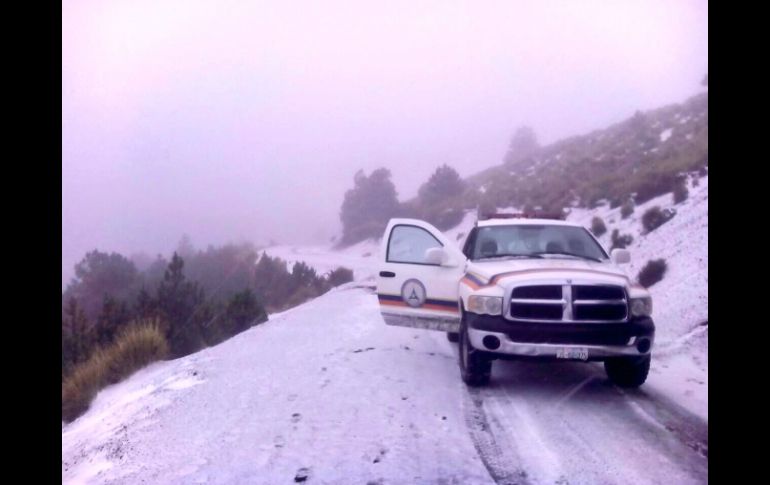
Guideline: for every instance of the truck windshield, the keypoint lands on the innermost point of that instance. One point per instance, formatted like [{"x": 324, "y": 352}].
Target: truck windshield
[{"x": 535, "y": 241}]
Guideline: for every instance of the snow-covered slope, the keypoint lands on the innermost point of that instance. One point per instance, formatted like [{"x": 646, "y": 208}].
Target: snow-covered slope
[
  {"x": 681, "y": 298},
  {"x": 329, "y": 392},
  {"x": 325, "y": 386}
]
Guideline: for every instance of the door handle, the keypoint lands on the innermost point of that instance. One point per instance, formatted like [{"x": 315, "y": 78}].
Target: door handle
[{"x": 387, "y": 274}]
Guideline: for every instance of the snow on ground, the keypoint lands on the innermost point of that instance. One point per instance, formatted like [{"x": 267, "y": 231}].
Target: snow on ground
[
  {"x": 325, "y": 386},
  {"x": 328, "y": 391},
  {"x": 680, "y": 300}
]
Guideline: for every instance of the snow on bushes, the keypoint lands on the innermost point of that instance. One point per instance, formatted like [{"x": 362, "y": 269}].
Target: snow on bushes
[
  {"x": 620, "y": 241},
  {"x": 597, "y": 226},
  {"x": 654, "y": 217},
  {"x": 652, "y": 272}
]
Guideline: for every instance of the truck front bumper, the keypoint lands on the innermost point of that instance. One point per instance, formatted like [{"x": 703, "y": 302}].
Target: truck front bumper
[{"x": 594, "y": 341}]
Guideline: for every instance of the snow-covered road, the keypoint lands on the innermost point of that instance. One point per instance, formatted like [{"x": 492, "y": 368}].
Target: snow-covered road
[{"x": 328, "y": 392}]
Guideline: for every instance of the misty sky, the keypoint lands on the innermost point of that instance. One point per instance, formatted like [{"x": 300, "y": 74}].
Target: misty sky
[{"x": 232, "y": 121}]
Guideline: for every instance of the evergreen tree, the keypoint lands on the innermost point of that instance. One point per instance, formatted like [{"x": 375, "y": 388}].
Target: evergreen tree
[
  {"x": 243, "y": 311},
  {"x": 272, "y": 281},
  {"x": 99, "y": 274},
  {"x": 445, "y": 183},
  {"x": 80, "y": 338},
  {"x": 368, "y": 206},
  {"x": 113, "y": 316},
  {"x": 178, "y": 300},
  {"x": 185, "y": 248},
  {"x": 145, "y": 306},
  {"x": 523, "y": 145}
]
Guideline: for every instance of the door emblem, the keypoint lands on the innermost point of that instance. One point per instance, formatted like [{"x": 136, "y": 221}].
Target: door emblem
[{"x": 413, "y": 293}]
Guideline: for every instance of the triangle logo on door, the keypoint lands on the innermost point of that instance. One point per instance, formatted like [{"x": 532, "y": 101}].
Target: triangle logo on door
[{"x": 413, "y": 293}]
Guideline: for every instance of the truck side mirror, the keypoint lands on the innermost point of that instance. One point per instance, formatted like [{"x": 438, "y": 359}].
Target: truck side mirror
[
  {"x": 437, "y": 256},
  {"x": 620, "y": 256}
]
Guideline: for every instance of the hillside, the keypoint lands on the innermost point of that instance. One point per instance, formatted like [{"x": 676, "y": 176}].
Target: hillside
[
  {"x": 326, "y": 392},
  {"x": 640, "y": 157}
]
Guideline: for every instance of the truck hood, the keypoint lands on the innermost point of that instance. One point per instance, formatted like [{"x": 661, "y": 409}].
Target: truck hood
[{"x": 481, "y": 274}]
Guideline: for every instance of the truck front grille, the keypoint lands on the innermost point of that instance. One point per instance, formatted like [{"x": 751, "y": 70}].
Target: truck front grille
[
  {"x": 536, "y": 311},
  {"x": 569, "y": 303}
]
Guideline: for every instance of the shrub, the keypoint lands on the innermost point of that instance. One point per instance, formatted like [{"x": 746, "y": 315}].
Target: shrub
[
  {"x": 620, "y": 241},
  {"x": 597, "y": 226},
  {"x": 627, "y": 209},
  {"x": 340, "y": 276},
  {"x": 654, "y": 217},
  {"x": 680, "y": 193},
  {"x": 652, "y": 272},
  {"x": 135, "y": 347},
  {"x": 653, "y": 184}
]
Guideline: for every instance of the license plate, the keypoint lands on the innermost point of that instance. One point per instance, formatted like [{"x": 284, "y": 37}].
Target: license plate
[{"x": 572, "y": 353}]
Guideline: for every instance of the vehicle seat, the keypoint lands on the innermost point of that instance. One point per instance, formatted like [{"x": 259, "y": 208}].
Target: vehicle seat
[
  {"x": 488, "y": 248},
  {"x": 576, "y": 246},
  {"x": 554, "y": 247}
]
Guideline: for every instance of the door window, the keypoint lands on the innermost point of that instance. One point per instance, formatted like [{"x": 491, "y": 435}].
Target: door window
[{"x": 408, "y": 244}]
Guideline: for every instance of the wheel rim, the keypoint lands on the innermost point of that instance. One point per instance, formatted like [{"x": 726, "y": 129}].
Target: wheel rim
[{"x": 464, "y": 350}]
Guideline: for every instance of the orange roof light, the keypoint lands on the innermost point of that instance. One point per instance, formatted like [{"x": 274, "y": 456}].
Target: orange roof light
[{"x": 521, "y": 215}]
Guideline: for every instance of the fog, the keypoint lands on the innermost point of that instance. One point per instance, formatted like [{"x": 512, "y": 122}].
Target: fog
[{"x": 233, "y": 121}]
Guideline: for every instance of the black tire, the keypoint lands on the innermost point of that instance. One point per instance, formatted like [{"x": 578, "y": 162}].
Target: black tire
[
  {"x": 475, "y": 366},
  {"x": 453, "y": 337},
  {"x": 628, "y": 371}
]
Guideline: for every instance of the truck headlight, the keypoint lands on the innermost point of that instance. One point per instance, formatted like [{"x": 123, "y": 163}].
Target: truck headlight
[
  {"x": 489, "y": 305},
  {"x": 641, "y": 307}
]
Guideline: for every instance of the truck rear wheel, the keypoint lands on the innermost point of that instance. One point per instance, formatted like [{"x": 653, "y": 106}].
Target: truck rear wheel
[
  {"x": 475, "y": 367},
  {"x": 628, "y": 371}
]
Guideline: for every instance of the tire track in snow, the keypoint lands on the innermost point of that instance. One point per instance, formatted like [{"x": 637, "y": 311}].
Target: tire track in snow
[
  {"x": 502, "y": 467},
  {"x": 689, "y": 428},
  {"x": 545, "y": 416}
]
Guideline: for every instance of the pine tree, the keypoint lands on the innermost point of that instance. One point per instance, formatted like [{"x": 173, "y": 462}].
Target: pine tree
[
  {"x": 523, "y": 144},
  {"x": 244, "y": 310},
  {"x": 113, "y": 316},
  {"x": 445, "y": 183},
  {"x": 368, "y": 206},
  {"x": 178, "y": 300},
  {"x": 80, "y": 338},
  {"x": 145, "y": 306}
]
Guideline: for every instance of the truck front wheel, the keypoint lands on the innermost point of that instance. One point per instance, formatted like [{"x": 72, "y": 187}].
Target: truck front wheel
[
  {"x": 628, "y": 371},
  {"x": 475, "y": 367}
]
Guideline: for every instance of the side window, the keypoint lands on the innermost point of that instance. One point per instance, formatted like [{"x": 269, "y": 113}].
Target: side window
[{"x": 408, "y": 244}]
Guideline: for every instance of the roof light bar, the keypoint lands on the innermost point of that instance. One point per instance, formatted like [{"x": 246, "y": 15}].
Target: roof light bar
[{"x": 522, "y": 215}]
